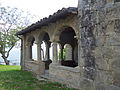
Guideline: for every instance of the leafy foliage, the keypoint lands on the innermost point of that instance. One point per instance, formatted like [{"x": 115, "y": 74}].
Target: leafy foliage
[
  {"x": 59, "y": 56},
  {"x": 11, "y": 21}
]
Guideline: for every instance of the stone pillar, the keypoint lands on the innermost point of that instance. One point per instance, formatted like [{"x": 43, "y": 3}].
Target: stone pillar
[
  {"x": 87, "y": 24},
  {"x": 61, "y": 53},
  {"x": 47, "y": 52},
  {"x": 80, "y": 64},
  {"x": 88, "y": 41},
  {"x": 38, "y": 51},
  {"x": 23, "y": 52},
  {"x": 28, "y": 51},
  {"x": 55, "y": 53}
]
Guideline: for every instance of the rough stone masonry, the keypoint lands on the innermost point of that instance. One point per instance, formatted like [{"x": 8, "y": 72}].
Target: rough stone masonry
[{"x": 99, "y": 25}]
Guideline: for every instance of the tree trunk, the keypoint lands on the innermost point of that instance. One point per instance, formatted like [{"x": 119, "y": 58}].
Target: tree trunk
[{"x": 7, "y": 62}]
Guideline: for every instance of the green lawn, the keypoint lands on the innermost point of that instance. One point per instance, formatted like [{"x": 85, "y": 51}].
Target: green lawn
[{"x": 12, "y": 78}]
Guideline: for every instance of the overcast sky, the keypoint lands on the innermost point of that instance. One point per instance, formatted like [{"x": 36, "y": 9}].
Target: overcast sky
[{"x": 41, "y": 8}]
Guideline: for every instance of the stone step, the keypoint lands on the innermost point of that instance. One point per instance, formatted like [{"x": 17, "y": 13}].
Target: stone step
[
  {"x": 45, "y": 76},
  {"x": 41, "y": 79}
]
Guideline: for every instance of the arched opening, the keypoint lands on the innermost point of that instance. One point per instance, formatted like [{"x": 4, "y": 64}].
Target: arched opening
[
  {"x": 69, "y": 47},
  {"x": 34, "y": 52},
  {"x": 30, "y": 48},
  {"x": 45, "y": 49}
]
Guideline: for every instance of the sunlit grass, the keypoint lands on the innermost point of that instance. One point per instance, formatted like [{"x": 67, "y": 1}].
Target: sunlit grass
[{"x": 12, "y": 78}]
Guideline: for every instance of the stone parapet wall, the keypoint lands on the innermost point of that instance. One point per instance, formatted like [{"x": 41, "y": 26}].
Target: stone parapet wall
[
  {"x": 65, "y": 75},
  {"x": 38, "y": 68}
]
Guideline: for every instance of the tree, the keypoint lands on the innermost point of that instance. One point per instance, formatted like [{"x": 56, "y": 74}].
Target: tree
[{"x": 11, "y": 21}]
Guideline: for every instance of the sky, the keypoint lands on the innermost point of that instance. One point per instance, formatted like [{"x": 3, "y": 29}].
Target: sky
[{"x": 41, "y": 8}]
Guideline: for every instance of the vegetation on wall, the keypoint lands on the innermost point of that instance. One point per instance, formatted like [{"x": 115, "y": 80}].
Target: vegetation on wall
[{"x": 59, "y": 56}]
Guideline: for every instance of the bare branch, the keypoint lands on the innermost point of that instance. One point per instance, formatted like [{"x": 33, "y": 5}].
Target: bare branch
[
  {"x": 11, "y": 19},
  {"x": 9, "y": 51}
]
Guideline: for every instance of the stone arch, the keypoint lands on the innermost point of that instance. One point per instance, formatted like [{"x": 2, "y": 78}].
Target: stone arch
[
  {"x": 30, "y": 38},
  {"x": 44, "y": 37},
  {"x": 29, "y": 43},
  {"x": 42, "y": 34},
  {"x": 45, "y": 44},
  {"x": 66, "y": 35},
  {"x": 60, "y": 29}
]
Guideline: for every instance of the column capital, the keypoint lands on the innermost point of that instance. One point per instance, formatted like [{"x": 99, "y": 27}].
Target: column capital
[
  {"x": 52, "y": 41},
  {"x": 28, "y": 44},
  {"x": 36, "y": 42},
  {"x": 54, "y": 44}
]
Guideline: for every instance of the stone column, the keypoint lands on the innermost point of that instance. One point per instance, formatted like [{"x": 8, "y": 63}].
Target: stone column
[
  {"x": 55, "y": 53},
  {"x": 61, "y": 53},
  {"x": 80, "y": 60},
  {"x": 87, "y": 24},
  {"x": 47, "y": 52},
  {"x": 28, "y": 51},
  {"x": 38, "y": 51},
  {"x": 23, "y": 52}
]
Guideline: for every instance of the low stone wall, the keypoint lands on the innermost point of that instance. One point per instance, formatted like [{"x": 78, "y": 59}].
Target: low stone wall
[
  {"x": 36, "y": 67},
  {"x": 65, "y": 75}
]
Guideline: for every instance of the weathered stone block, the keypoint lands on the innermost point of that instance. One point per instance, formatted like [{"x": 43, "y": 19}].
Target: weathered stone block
[
  {"x": 66, "y": 75},
  {"x": 100, "y": 87},
  {"x": 86, "y": 84},
  {"x": 114, "y": 40},
  {"x": 35, "y": 67}
]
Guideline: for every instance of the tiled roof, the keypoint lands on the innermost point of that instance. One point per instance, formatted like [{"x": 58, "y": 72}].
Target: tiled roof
[{"x": 60, "y": 14}]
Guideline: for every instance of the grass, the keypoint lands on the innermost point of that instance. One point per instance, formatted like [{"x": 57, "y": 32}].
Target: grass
[{"x": 12, "y": 78}]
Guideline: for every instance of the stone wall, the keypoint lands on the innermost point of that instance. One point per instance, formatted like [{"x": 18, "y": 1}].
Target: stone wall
[
  {"x": 37, "y": 68},
  {"x": 100, "y": 42},
  {"x": 107, "y": 45},
  {"x": 65, "y": 75}
]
